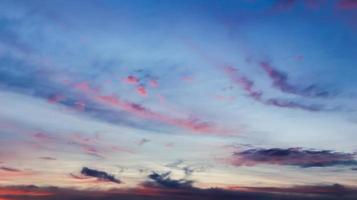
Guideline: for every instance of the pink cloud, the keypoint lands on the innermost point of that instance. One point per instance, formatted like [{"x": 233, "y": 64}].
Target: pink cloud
[
  {"x": 141, "y": 90},
  {"x": 244, "y": 82},
  {"x": 116, "y": 102}
]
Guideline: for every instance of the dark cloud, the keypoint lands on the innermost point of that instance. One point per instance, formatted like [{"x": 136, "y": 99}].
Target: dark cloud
[
  {"x": 101, "y": 175},
  {"x": 163, "y": 180},
  {"x": 10, "y": 169},
  {"x": 292, "y": 156}
]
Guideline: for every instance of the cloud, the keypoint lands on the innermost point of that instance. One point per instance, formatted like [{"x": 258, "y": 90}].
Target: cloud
[
  {"x": 101, "y": 175},
  {"x": 280, "y": 81},
  {"x": 244, "y": 82},
  {"x": 163, "y": 180},
  {"x": 141, "y": 90},
  {"x": 283, "y": 103},
  {"x": 10, "y": 169},
  {"x": 248, "y": 86},
  {"x": 187, "y": 169},
  {"x": 57, "y": 88},
  {"x": 116, "y": 102},
  {"x": 292, "y": 156}
]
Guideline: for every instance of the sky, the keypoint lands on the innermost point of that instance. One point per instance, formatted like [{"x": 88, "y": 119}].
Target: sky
[{"x": 178, "y": 99}]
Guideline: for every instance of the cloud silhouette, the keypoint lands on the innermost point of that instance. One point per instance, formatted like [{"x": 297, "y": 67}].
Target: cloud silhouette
[
  {"x": 101, "y": 175},
  {"x": 163, "y": 180}
]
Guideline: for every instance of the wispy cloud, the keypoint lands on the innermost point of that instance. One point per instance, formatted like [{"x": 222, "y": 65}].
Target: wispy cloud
[
  {"x": 280, "y": 81},
  {"x": 10, "y": 169},
  {"x": 248, "y": 86},
  {"x": 47, "y": 158},
  {"x": 115, "y": 102}
]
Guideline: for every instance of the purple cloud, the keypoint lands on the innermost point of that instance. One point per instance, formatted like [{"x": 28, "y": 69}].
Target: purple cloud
[{"x": 248, "y": 86}]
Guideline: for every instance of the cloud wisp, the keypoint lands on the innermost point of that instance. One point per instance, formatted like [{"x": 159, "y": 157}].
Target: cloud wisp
[
  {"x": 280, "y": 81},
  {"x": 115, "y": 102},
  {"x": 248, "y": 86}
]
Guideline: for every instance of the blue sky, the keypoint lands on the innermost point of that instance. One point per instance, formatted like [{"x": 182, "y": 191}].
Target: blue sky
[{"x": 219, "y": 93}]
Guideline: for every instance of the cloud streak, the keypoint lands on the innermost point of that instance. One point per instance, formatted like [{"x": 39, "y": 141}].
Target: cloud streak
[
  {"x": 10, "y": 169},
  {"x": 114, "y": 101},
  {"x": 293, "y": 157},
  {"x": 248, "y": 86},
  {"x": 280, "y": 81}
]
